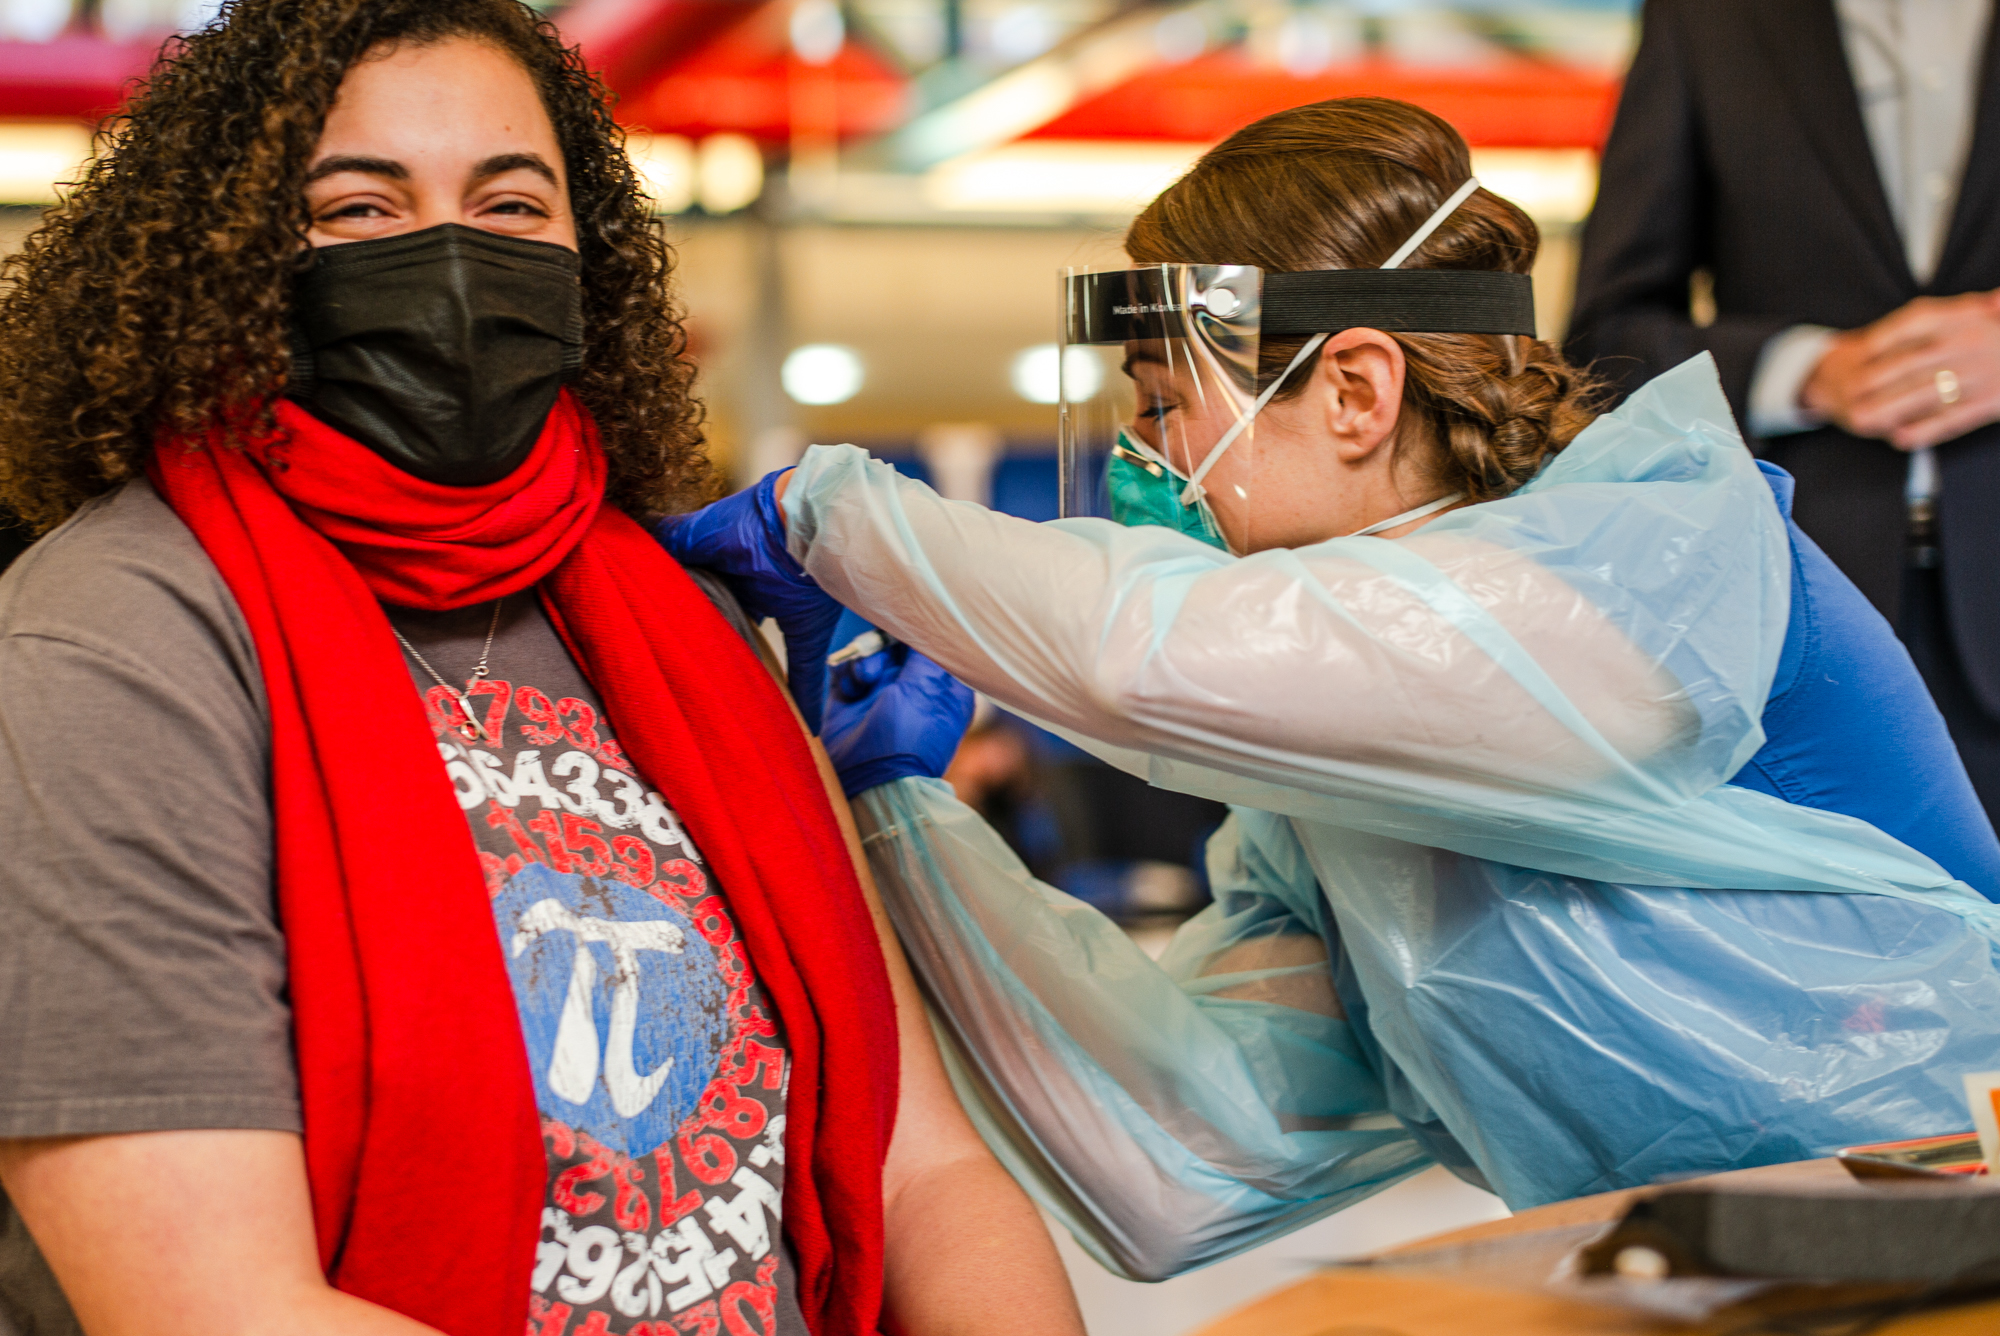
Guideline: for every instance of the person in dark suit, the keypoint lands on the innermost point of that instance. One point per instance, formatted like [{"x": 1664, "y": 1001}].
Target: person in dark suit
[{"x": 1831, "y": 170}]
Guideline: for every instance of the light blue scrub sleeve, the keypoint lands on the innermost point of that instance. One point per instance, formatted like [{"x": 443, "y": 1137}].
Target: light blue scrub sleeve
[
  {"x": 1168, "y": 1114},
  {"x": 1562, "y": 679}
]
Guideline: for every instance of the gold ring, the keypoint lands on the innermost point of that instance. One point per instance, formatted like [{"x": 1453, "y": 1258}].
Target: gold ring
[{"x": 1947, "y": 387}]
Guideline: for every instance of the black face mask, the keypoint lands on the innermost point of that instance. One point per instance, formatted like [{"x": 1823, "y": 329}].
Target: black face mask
[{"x": 441, "y": 350}]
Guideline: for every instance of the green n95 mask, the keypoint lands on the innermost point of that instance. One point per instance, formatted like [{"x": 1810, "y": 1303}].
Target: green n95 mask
[{"x": 1143, "y": 488}]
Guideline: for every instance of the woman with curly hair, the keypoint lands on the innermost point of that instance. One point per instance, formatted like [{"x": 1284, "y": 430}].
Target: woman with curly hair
[{"x": 423, "y": 911}]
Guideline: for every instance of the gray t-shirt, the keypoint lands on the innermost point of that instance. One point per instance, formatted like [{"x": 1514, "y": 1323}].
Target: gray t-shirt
[
  {"x": 142, "y": 966},
  {"x": 142, "y": 970},
  {"x": 660, "y": 1069}
]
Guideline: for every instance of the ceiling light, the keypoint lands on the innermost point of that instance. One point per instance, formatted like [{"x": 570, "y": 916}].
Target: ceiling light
[
  {"x": 1305, "y": 44},
  {"x": 1041, "y": 373},
  {"x": 1554, "y": 186},
  {"x": 1434, "y": 39},
  {"x": 1060, "y": 176},
  {"x": 817, "y": 31},
  {"x": 36, "y": 155},
  {"x": 665, "y": 164},
  {"x": 822, "y": 373},
  {"x": 1033, "y": 94},
  {"x": 35, "y": 20},
  {"x": 1308, "y": 41},
  {"x": 1181, "y": 35},
  {"x": 1022, "y": 33},
  {"x": 729, "y": 173},
  {"x": 1106, "y": 177},
  {"x": 1083, "y": 374}
]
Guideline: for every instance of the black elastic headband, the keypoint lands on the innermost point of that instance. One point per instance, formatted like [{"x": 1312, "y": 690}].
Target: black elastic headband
[
  {"x": 1402, "y": 301},
  {"x": 1146, "y": 304}
]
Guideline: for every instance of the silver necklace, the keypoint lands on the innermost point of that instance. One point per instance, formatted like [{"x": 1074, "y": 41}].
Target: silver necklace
[{"x": 471, "y": 730}]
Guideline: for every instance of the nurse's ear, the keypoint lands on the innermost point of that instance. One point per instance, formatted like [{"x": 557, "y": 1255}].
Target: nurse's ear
[{"x": 1360, "y": 392}]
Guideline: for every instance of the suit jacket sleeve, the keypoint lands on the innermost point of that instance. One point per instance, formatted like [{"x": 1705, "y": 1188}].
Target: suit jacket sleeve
[{"x": 1649, "y": 232}]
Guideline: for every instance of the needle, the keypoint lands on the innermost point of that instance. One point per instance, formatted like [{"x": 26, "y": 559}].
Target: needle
[{"x": 868, "y": 642}]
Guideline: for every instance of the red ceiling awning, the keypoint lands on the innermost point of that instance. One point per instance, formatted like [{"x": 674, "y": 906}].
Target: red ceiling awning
[
  {"x": 629, "y": 41},
  {"x": 1513, "y": 102},
  {"x": 696, "y": 67},
  {"x": 71, "y": 78},
  {"x": 746, "y": 79},
  {"x": 690, "y": 67}
]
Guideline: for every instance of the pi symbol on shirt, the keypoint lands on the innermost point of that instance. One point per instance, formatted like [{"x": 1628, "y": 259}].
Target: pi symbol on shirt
[
  {"x": 622, "y": 1004},
  {"x": 573, "y": 1070}
]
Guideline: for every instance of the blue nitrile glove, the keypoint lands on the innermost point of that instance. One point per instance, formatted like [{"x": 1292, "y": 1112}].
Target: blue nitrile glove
[
  {"x": 892, "y": 715},
  {"x": 742, "y": 539}
]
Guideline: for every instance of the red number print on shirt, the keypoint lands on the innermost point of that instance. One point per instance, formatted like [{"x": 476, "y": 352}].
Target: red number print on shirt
[
  {"x": 592, "y": 854},
  {"x": 496, "y": 712},
  {"x": 572, "y": 846},
  {"x": 503, "y": 818},
  {"x": 722, "y": 1107},
  {"x": 545, "y": 1318},
  {"x": 703, "y": 1321},
  {"x": 761, "y": 1298},
  {"x": 582, "y": 731},
  {"x": 635, "y": 862},
  {"x": 681, "y": 1238},
  {"x": 632, "y": 1210},
  {"x": 707, "y": 1156},
  {"x": 683, "y": 878},
  {"x": 754, "y": 1057},
  {"x": 583, "y": 728},
  {"x": 564, "y": 1192},
  {"x": 543, "y": 727}
]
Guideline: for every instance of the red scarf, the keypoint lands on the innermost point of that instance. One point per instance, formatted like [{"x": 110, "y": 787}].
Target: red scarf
[{"x": 423, "y": 1144}]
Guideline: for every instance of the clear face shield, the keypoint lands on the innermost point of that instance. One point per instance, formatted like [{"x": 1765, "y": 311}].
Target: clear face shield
[
  {"x": 1159, "y": 365},
  {"x": 1160, "y": 394}
]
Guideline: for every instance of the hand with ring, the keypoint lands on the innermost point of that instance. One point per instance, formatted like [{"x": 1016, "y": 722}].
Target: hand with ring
[{"x": 1925, "y": 373}]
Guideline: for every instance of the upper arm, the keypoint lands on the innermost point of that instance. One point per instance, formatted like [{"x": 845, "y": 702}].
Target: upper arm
[
  {"x": 1342, "y": 664},
  {"x": 184, "y": 1233},
  {"x": 931, "y": 1126},
  {"x": 1325, "y": 657},
  {"x": 1655, "y": 221},
  {"x": 142, "y": 967}
]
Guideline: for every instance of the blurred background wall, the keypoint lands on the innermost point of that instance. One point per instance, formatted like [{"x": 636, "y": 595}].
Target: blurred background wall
[
  {"x": 873, "y": 197},
  {"x": 872, "y": 201}
]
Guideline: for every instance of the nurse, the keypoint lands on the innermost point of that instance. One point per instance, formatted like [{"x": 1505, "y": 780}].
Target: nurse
[{"x": 1587, "y": 825}]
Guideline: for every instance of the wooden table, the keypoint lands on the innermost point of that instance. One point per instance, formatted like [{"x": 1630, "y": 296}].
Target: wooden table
[{"x": 1477, "y": 1299}]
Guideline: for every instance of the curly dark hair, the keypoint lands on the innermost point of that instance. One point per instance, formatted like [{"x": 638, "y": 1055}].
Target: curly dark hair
[{"x": 155, "y": 299}]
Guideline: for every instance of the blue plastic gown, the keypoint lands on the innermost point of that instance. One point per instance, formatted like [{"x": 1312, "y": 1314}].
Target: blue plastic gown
[{"x": 1485, "y": 897}]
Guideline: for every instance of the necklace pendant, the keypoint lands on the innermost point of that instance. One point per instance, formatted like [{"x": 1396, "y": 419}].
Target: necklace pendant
[{"x": 471, "y": 730}]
